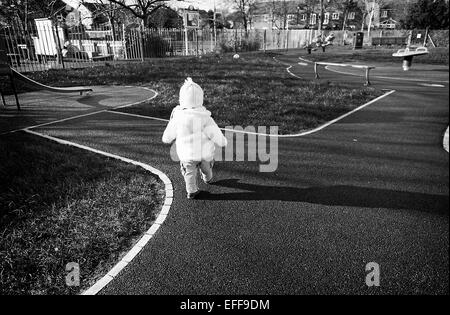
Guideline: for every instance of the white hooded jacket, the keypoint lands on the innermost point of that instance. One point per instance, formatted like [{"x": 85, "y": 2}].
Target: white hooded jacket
[{"x": 191, "y": 125}]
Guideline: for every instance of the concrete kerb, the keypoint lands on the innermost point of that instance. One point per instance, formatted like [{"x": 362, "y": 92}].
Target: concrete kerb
[
  {"x": 301, "y": 134},
  {"x": 100, "y": 284},
  {"x": 445, "y": 141},
  {"x": 288, "y": 69}
]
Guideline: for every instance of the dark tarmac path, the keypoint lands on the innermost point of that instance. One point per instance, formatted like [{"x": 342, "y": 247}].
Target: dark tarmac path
[{"x": 374, "y": 187}]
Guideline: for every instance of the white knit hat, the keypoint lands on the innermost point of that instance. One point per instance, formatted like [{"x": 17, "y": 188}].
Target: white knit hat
[{"x": 191, "y": 94}]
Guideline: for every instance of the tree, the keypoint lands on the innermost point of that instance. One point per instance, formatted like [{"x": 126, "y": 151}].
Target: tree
[
  {"x": 165, "y": 17},
  {"x": 370, "y": 8},
  {"x": 320, "y": 15},
  {"x": 142, "y": 9},
  {"x": 245, "y": 9},
  {"x": 276, "y": 14},
  {"x": 428, "y": 13},
  {"x": 22, "y": 11},
  {"x": 310, "y": 8},
  {"x": 347, "y": 6},
  {"x": 105, "y": 8},
  {"x": 207, "y": 19}
]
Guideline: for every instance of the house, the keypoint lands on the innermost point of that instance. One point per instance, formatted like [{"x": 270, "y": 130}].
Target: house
[
  {"x": 389, "y": 24},
  {"x": 388, "y": 13},
  {"x": 92, "y": 12},
  {"x": 388, "y": 17},
  {"x": 78, "y": 13},
  {"x": 304, "y": 14},
  {"x": 338, "y": 14}
]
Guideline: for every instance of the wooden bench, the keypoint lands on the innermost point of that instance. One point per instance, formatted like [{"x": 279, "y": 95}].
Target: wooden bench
[
  {"x": 364, "y": 67},
  {"x": 389, "y": 41}
]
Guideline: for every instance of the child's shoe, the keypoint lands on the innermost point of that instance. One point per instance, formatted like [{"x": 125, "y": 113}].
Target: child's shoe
[{"x": 193, "y": 195}]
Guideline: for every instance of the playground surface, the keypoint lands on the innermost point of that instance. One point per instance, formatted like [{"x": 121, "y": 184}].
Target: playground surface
[
  {"x": 373, "y": 187},
  {"x": 44, "y": 107},
  {"x": 420, "y": 73}
]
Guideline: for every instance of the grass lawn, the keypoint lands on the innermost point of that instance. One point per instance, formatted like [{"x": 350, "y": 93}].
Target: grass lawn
[
  {"x": 253, "y": 91},
  {"x": 59, "y": 205},
  {"x": 437, "y": 56}
]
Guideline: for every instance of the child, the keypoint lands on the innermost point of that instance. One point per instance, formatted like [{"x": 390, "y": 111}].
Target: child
[{"x": 196, "y": 134}]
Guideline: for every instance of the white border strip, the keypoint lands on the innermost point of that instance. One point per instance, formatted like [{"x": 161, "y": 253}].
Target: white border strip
[
  {"x": 288, "y": 69},
  {"x": 100, "y": 284},
  {"x": 333, "y": 64},
  {"x": 305, "y": 60},
  {"x": 305, "y": 133},
  {"x": 139, "y": 116},
  {"x": 292, "y": 74},
  {"x": 88, "y": 114},
  {"x": 446, "y": 141}
]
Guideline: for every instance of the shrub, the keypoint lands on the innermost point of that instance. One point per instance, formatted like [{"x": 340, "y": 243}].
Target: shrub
[
  {"x": 155, "y": 46},
  {"x": 247, "y": 44}
]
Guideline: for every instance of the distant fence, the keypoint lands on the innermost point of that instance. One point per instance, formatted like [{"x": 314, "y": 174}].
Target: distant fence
[
  {"x": 42, "y": 45},
  {"x": 435, "y": 38}
]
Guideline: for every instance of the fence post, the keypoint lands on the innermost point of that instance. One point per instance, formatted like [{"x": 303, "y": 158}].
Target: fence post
[
  {"x": 425, "y": 39},
  {"x": 113, "y": 31},
  {"x": 235, "y": 40},
  {"x": 196, "y": 39},
  {"x": 409, "y": 38},
  {"x": 186, "y": 38},
  {"x": 202, "y": 50},
  {"x": 287, "y": 40},
  {"x": 124, "y": 42},
  {"x": 211, "y": 41},
  {"x": 141, "y": 42},
  {"x": 265, "y": 40},
  {"x": 58, "y": 44}
]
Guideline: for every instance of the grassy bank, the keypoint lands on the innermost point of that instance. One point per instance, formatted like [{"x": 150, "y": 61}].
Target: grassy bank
[
  {"x": 255, "y": 90},
  {"x": 60, "y": 205}
]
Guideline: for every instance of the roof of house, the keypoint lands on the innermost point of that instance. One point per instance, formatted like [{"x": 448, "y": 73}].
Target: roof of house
[{"x": 389, "y": 21}]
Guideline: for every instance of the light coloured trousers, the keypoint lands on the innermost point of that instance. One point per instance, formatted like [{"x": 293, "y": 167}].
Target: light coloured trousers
[{"x": 189, "y": 170}]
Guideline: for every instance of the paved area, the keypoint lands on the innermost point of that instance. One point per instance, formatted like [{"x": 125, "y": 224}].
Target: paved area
[
  {"x": 426, "y": 74},
  {"x": 43, "y": 107},
  {"x": 372, "y": 188}
]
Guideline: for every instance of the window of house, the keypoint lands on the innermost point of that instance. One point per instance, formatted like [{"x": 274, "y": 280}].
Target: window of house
[
  {"x": 313, "y": 19},
  {"x": 326, "y": 18},
  {"x": 351, "y": 15},
  {"x": 291, "y": 17},
  {"x": 335, "y": 16},
  {"x": 384, "y": 13},
  {"x": 303, "y": 17}
]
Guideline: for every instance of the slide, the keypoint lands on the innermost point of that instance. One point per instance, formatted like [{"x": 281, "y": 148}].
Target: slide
[{"x": 25, "y": 79}]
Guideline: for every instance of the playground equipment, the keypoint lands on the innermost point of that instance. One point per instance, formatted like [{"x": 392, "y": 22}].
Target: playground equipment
[
  {"x": 364, "y": 67},
  {"x": 408, "y": 54},
  {"x": 6, "y": 70},
  {"x": 320, "y": 42},
  {"x": 48, "y": 41},
  {"x": 30, "y": 82}
]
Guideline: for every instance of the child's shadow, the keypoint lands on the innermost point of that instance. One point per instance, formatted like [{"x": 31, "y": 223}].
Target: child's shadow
[{"x": 351, "y": 196}]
